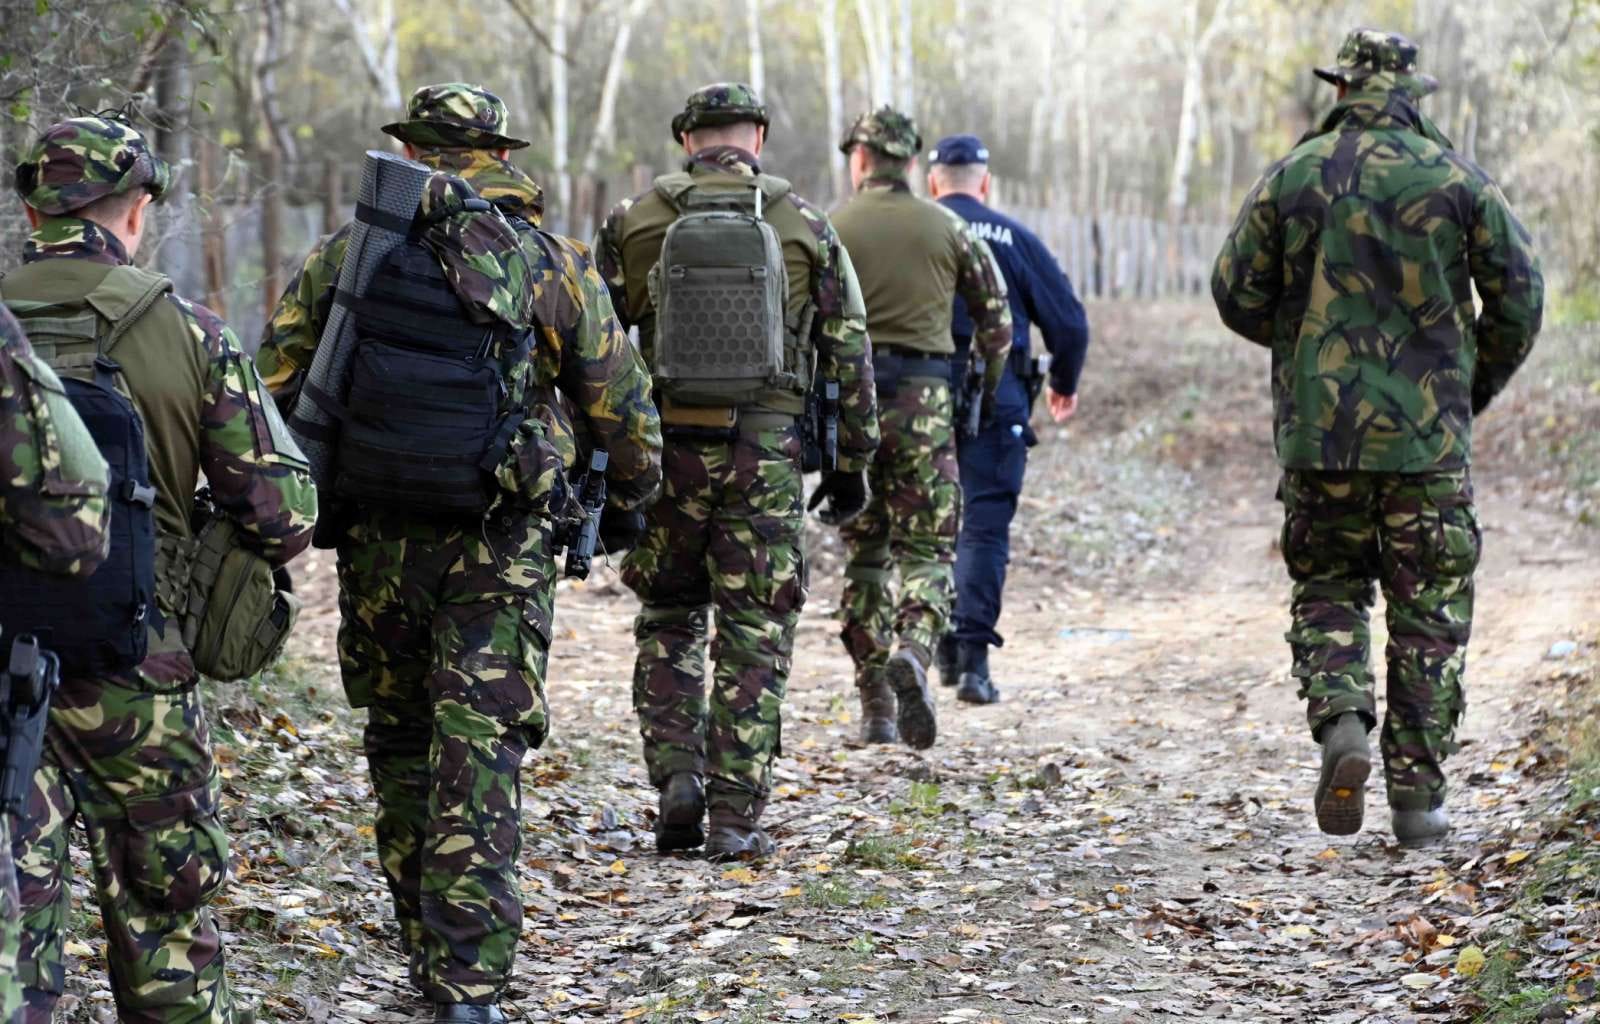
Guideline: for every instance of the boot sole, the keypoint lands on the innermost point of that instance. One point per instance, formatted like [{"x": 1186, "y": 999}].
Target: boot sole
[
  {"x": 1343, "y": 802},
  {"x": 915, "y": 717}
]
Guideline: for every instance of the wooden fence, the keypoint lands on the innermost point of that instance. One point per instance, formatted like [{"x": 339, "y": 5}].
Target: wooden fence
[{"x": 1123, "y": 251}]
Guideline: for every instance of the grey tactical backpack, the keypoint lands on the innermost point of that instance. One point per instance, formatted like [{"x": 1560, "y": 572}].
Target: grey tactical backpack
[{"x": 719, "y": 291}]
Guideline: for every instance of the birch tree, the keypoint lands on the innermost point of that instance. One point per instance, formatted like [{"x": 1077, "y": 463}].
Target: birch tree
[
  {"x": 560, "y": 158},
  {"x": 752, "y": 37},
  {"x": 875, "y": 42},
  {"x": 380, "y": 58},
  {"x": 600, "y": 141},
  {"x": 833, "y": 83},
  {"x": 905, "y": 90},
  {"x": 1198, "y": 42}
]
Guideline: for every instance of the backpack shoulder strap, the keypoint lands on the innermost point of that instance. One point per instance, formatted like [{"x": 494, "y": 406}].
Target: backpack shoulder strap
[
  {"x": 673, "y": 187},
  {"x": 126, "y": 294}
]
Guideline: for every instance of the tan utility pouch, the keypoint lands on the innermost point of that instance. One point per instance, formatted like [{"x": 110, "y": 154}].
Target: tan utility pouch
[
  {"x": 724, "y": 417},
  {"x": 237, "y": 619}
]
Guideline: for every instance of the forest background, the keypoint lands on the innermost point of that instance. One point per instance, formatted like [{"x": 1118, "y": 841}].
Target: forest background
[{"x": 1128, "y": 133}]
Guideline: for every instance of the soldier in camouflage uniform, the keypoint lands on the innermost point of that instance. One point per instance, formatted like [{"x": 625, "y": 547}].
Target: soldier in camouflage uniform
[
  {"x": 129, "y": 755},
  {"x": 53, "y": 518},
  {"x": 1354, "y": 260},
  {"x": 727, "y": 532},
  {"x": 914, "y": 257},
  {"x": 446, "y": 627}
]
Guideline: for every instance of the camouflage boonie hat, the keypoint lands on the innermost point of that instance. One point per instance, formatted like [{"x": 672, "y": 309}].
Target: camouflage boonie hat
[
  {"x": 886, "y": 130},
  {"x": 1369, "y": 55},
  {"x": 719, "y": 103},
  {"x": 455, "y": 115},
  {"x": 85, "y": 159}
]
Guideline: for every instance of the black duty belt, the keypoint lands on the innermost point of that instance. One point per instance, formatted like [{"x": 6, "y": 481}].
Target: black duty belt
[
  {"x": 906, "y": 362},
  {"x": 1019, "y": 360}
]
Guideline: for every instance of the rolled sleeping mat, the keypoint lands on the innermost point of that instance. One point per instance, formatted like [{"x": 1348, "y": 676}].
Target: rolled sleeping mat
[{"x": 391, "y": 190}]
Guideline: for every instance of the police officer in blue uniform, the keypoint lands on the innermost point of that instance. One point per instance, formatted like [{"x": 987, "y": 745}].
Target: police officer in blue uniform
[{"x": 992, "y": 462}]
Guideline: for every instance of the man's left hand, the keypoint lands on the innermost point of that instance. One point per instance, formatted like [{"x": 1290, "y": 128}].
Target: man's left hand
[{"x": 1062, "y": 406}]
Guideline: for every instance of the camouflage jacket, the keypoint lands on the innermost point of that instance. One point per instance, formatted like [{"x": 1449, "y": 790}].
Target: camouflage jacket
[
  {"x": 257, "y": 476},
  {"x": 915, "y": 256},
  {"x": 53, "y": 518},
  {"x": 838, "y": 329},
  {"x": 1353, "y": 260},
  {"x": 582, "y": 361}
]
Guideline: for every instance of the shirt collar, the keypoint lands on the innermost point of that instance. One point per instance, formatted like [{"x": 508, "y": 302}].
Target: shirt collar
[
  {"x": 74, "y": 238},
  {"x": 726, "y": 159}
]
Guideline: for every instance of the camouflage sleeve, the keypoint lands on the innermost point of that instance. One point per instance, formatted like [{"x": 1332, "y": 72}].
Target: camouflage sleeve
[
  {"x": 52, "y": 479},
  {"x": 983, "y": 288},
  {"x": 608, "y": 260},
  {"x": 533, "y": 469},
  {"x": 1505, "y": 269},
  {"x": 289, "y": 339},
  {"x": 257, "y": 473},
  {"x": 843, "y": 350},
  {"x": 604, "y": 377},
  {"x": 1246, "y": 279}
]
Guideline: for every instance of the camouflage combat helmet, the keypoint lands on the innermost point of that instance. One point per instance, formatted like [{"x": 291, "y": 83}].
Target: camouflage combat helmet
[
  {"x": 719, "y": 103},
  {"x": 886, "y": 130},
  {"x": 455, "y": 115},
  {"x": 1370, "y": 57},
  {"x": 85, "y": 159}
]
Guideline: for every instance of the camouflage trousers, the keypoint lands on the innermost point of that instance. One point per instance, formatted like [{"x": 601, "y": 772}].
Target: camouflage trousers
[
  {"x": 10, "y": 926},
  {"x": 1417, "y": 536},
  {"x": 130, "y": 760},
  {"x": 725, "y": 536},
  {"x": 444, "y": 637},
  {"x": 909, "y": 524}
]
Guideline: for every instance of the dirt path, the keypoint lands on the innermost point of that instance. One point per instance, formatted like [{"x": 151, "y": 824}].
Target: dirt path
[{"x": 1127, "y": 837}]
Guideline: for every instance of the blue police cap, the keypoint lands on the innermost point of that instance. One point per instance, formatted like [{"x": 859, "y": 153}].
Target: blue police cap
[{"x": 959, "y": 149}]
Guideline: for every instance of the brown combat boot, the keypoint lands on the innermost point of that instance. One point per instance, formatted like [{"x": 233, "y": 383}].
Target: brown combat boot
[
  {"x": 733, "y": 833},
  {"x": 877, "y": 708}
]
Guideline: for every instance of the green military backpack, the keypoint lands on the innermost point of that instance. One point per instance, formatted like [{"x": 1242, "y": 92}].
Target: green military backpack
[{"x": 719, "y": 291}]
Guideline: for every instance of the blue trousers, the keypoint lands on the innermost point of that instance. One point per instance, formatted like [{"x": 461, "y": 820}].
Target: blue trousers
[{"x": 992, "y": 466}]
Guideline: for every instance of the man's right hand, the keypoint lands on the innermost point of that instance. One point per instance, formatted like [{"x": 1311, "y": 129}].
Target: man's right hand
[
  {"x": 1062, "y": 406},
  {"x": 846, "y": 494}
]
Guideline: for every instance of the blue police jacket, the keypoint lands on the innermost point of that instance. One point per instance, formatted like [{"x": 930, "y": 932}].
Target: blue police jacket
[{"x": 1039, "y": 293}]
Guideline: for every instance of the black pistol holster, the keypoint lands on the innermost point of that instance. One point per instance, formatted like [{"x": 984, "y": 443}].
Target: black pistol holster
[{"x": 30, "y": 678}]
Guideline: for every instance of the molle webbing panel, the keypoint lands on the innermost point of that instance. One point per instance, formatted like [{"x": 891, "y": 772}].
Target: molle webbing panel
[{"x": 391, "y": 189}]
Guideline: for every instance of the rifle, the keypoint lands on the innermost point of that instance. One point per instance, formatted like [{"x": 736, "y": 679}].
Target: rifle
[
  {"x": 580, "y": 537},
  {"x": 25, "y": 690}
]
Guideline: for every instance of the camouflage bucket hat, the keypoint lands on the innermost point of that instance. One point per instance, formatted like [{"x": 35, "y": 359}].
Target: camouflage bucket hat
[
  {"x": 85, "y": 159},
  {"x": 1370, "y": 56},
  {"x": 719, "y": 103},
  {"x": 886, "y": 130},
  {"x": 454, "y": 115}
]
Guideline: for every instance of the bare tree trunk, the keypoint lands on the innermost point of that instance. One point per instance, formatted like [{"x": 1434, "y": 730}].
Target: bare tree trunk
[
  {"x": 1198, "y": 42},
  {"x": 1042, "y": 103},
  {"x": 560, "y": 157},
  {"x": 874, "y": 32},
  {"x": 332, "y": 197},
  {"x": 179, "y": 244},
  {"x": 379, "y": 60},
  {"x": 833, "y": 81},
  {"x": 752, "y": 35},
  {"x": 605, "y": 119},
  {"x": 904, "y": 72},
  {"x": 278, "y": 148},
  {"x": 213, "y": 246},
  {"x": 1085, "y": 123}
]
